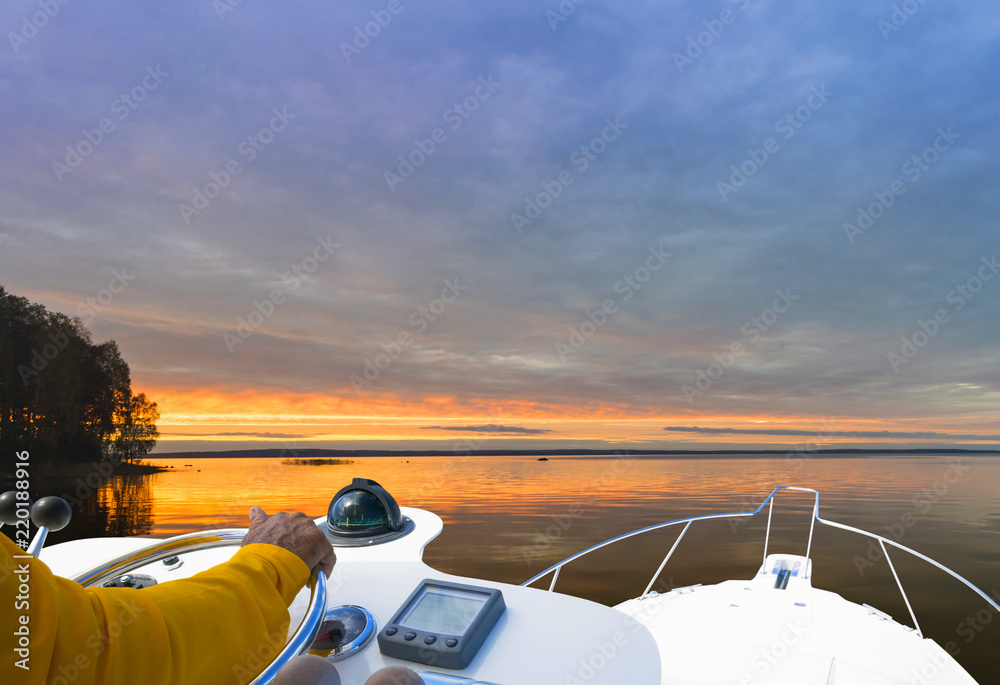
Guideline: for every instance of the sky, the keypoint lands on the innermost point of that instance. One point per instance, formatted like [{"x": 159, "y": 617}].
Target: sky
[{"x": 414, "y": 224}]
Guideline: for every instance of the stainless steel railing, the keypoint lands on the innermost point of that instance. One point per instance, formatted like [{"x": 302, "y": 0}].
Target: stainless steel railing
[
  {"x": 769, "y": 501},
  {"x": 297, "y": 644}
]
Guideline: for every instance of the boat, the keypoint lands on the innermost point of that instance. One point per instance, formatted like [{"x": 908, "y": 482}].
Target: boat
[{"x": 773, "y": 628}]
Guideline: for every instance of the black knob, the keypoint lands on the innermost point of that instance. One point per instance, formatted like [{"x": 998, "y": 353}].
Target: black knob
[
  {"x": 8, "y": 507},
  {"x": 52, "y": 512}
]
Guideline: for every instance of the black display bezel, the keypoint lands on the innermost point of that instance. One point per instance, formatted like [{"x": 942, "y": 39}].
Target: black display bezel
[{"x": 392, "y": 638}]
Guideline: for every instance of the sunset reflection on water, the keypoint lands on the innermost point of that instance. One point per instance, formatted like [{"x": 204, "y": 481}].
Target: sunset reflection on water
[
  {"x": 507, "y": 518},
  {"x": 612, "y": 494}
]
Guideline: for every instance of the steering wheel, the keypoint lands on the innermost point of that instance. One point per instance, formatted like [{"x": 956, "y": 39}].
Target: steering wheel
[{"x": 297, "y": 644}]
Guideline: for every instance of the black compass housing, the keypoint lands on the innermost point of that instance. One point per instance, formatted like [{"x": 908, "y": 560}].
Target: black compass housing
[{"x": 364, "y": 513}]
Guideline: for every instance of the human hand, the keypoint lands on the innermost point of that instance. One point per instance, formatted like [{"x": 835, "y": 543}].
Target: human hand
[{"x": 295, "y": 532}]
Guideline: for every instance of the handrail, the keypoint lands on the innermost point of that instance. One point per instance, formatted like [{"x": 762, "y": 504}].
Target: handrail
[
  {"x": 556, "y": 568},
  {"x": 648, "y": 529}
]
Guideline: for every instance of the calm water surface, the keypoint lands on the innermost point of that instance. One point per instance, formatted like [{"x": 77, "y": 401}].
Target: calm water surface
[{"x": 507, "y": 518}]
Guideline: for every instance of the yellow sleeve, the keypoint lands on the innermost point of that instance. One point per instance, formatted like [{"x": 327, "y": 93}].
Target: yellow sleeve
[{"x": 217, "y": 627}]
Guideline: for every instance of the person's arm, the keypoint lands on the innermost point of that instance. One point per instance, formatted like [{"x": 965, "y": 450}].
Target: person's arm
[{"x": 219, "y": 626}]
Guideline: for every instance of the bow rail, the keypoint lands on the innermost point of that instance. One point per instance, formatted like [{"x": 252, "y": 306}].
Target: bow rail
[{"x": 769, "y": 502}]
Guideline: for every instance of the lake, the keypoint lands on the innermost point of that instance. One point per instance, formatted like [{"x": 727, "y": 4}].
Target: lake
[{"x": 507, "y": 518}]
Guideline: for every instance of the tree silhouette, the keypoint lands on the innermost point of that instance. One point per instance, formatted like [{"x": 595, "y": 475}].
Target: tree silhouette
[
  {"x": 135, "y": 429},
  {"x": 62, "y": 397}
]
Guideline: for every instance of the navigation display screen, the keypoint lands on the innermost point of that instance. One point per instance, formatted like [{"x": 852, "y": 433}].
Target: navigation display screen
[
  {"x": 442, "y": 624},
  {"x": 444, "y": 610}
]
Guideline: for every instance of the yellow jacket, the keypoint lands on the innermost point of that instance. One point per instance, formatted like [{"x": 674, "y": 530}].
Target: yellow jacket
[{"x": 217, "y": 627}]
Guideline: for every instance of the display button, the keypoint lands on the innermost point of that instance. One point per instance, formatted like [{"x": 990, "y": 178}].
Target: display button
[
  {"x": 430, "y": 639},
  {"x": 410, "y": 636},
  {"x": 391, "y": 631},
  {"x": 451, "y": 642}
]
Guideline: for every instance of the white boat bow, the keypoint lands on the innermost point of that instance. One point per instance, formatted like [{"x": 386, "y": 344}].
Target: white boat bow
[{"x": 774, "y": 628}]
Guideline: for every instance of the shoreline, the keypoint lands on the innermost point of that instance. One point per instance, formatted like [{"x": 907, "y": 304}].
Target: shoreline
[
  {"x": 71, "y": 469},
  {"x": 63, "y": 470},
  {"x": 578, "y": 453}
]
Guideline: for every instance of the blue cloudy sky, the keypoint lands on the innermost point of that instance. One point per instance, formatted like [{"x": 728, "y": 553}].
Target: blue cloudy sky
[{"x": 345, "y": 223}]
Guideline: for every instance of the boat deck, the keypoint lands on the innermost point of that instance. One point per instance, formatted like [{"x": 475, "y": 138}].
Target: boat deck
[{"x": 751, "y": 633}]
